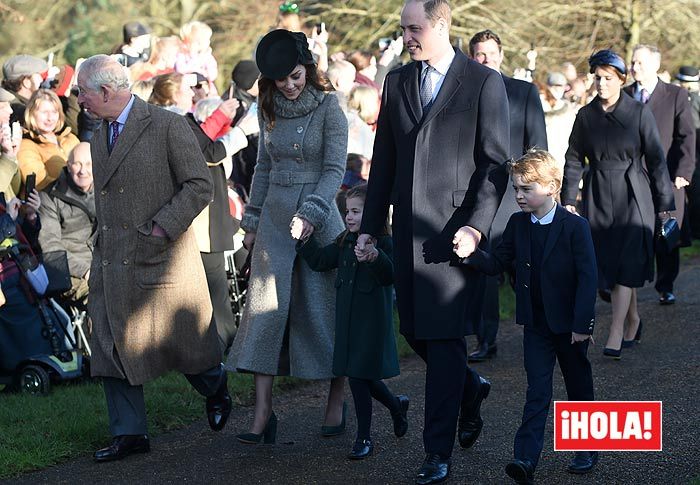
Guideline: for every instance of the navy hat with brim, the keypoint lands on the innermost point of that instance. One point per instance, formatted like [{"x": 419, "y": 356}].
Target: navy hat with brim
[
  {"x": 607, "y": 57},
  {"x": 688, "y": 74},
  {"x": 280, "y": 51}
]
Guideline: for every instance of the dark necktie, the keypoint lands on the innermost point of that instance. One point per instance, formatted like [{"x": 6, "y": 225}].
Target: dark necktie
[
  {"x": 644, "y": 94},
  {"x": 114, "y": 125},
  {"x": 426, "y": 89}
]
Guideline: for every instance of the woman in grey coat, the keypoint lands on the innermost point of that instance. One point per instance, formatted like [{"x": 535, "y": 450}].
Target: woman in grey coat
[{"x": 288, "y": 323}]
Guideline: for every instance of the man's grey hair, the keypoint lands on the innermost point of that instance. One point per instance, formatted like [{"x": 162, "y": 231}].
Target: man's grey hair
[
  {"x": 651, "y": 48},
  {"x": 103, "y": 70}
]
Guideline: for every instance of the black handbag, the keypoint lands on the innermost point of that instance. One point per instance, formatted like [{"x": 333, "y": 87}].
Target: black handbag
[
  {"x": 56, "y": 265},
  {"x": 669, "y": 235}
]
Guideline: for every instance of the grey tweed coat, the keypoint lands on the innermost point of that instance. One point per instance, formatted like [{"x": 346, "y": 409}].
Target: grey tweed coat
[
  {"x": 149, "y": 301},
  {"x": 301, "y": 163}
]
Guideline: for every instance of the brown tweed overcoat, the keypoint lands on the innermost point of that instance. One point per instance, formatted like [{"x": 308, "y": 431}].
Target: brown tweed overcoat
[{"x": 149, "y": 300}]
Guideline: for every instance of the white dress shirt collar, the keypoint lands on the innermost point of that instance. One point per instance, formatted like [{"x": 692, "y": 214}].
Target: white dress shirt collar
[{"x": 546, "y": 219}]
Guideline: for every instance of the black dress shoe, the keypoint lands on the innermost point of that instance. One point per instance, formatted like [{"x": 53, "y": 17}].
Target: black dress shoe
[
  {"x": 435, "y": 469},
  {"x": 470, "y": 422},
  {"x": 483, "y": 352},
  {"x": 123, "y": 446},
  {"x": 400, "y": 419},
  {"x": 666, "y": 298},
  {"x": 604, "y": 295},
  {"x": 218, "y": 410},
  {"x": 521, "y": 471},
  {"x": 615, "y": 354},
  {"x": 583, "y": 462},
  {"x": 361, "y": 449}
]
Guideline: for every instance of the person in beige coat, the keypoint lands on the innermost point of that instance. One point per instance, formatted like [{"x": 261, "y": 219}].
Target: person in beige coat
[{"x": 148, "y": 301}]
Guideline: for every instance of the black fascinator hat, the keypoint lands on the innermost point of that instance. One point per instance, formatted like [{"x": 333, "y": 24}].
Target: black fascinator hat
[
  {"x": 607, "y": 57},
  {"x": 280, "y": 51}
]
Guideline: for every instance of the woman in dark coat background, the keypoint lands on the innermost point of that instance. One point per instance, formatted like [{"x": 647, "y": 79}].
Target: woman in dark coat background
[{"x": 626, "y": 185}]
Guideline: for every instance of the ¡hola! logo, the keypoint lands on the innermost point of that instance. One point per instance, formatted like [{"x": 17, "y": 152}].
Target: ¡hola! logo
[{"x": 607, "y": 425}]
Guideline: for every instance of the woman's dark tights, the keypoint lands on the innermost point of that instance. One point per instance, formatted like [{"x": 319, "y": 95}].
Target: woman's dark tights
[{"x": 363, "y": 391}]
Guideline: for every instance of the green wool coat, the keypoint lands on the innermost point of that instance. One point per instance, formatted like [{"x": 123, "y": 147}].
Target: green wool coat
[{"x": 365, "y": 344}]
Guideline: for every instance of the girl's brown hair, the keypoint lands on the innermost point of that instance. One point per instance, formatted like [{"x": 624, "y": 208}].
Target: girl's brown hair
[{"x": 267, "y": 89}]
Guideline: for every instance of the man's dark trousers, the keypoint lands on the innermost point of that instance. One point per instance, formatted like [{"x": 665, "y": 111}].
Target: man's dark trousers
[
  {"x": 445, "y": 379},
  {"x": 541, "y": 350}
]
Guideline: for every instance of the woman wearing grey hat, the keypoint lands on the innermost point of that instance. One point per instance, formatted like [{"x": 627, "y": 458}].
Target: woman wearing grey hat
[
  {"x": 288, "y": 323},
  {"x": 626, "y": 185}
]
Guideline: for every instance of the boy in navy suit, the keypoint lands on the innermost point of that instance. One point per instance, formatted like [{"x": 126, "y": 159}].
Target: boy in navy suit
[{"x": 551, "y": 252}]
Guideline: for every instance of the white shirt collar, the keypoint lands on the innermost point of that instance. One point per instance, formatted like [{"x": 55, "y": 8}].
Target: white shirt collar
[
  {"x": 546, "y": 219},
  {"x": 443, "y": 65},
  {"x": 121, "y": 119},
  {"x": 650, "y": 87}
]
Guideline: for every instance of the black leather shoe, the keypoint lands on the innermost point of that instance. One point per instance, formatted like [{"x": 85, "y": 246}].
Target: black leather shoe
[
  {"x": 483, "y": 352},
  {"x": 583, "y": 462},
  {"x": 605, "y": 295},
  {"x": 435, "y": 469},
  {"x": 123, "y": 446},
  {"x": 361, "y": 449},
  {"x": 470, "y": 422},
  {"x": 521, "y": 471},
  {"x": 666, "y": 298},
  {"x": 218, "y": 410}
]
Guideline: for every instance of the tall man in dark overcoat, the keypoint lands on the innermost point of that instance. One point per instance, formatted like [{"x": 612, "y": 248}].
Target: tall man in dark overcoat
[
  {"x": 149, "y": 302},
  {"x": 442, "y": 137},
  {"x": 673, "y": 114},
  {"x": 527, "y": 130}
]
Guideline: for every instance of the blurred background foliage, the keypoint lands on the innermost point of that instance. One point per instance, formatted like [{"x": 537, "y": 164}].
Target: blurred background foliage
[{"x": 559, "y": 30}]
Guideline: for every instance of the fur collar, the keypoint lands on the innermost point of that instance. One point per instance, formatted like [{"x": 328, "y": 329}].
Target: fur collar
[{"x": 309, "y": 99}]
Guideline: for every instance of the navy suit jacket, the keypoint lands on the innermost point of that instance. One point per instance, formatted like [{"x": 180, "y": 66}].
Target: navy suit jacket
[{"x": 569, "y": 273}]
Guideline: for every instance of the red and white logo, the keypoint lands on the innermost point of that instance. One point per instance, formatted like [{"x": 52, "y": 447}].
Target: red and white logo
[{"x": 607, "y": 425}]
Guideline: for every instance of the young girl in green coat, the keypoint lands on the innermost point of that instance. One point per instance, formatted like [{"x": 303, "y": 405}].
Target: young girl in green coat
[{"x": 365, "y": 345}]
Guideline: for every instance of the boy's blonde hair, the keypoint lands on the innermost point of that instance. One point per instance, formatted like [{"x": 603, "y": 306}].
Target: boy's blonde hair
[{"x": 538, "y": 166}]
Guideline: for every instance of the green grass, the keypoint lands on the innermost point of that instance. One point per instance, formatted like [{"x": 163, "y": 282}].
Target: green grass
[
  {"x": 36, "y": 432},
  {"x": 691, "y": 253}
]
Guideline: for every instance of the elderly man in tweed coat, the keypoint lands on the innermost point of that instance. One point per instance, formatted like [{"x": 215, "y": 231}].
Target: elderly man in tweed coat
[{"x": 148, "y": 302}]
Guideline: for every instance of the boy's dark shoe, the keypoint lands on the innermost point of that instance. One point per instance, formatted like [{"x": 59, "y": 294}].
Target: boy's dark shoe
[
  {"x": 470, "y": 422},
  {"x": 666, "y": 298},
  {"x": 435, "y": 469},
  {"x": 521, "y": 471},
  {"x": 583, "y": 462},
  {"x": 483, "y": 352}
]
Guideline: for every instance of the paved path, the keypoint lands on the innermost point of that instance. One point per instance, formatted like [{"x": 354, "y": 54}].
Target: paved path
[{"x": 663, "y": 367}]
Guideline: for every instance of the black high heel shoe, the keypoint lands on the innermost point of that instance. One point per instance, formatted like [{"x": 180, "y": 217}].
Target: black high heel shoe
[
  {"x": 268, "y": 436},
  {"x": 637, "y": 337},
  {"x": 328, "y": 431},
  {"x": 614, "y": 353}
]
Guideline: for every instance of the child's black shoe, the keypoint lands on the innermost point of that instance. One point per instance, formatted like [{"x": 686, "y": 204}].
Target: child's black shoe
[
  {"x": 401, "y": 418},
  {"x": 361, "y": 449}
]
